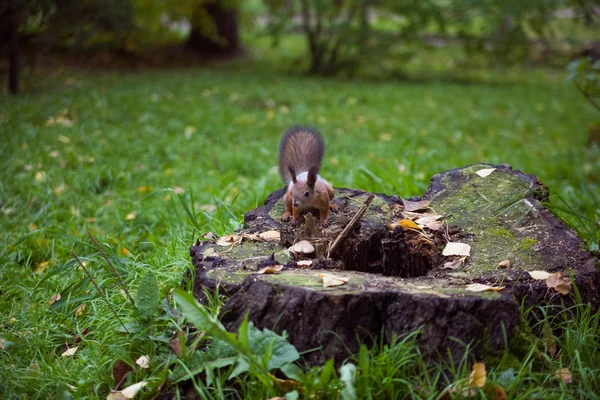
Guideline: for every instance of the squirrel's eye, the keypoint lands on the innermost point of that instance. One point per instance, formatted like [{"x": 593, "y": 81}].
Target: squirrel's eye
[{"x": 306, "y": 194}]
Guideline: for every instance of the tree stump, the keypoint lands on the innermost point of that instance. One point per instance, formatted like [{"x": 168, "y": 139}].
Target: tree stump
[{"x": 398, "y": 278}]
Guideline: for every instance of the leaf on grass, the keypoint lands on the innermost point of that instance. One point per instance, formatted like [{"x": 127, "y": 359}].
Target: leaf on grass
[
  {"x": 539, "y": 275},
  {"x": 80, "y": 310},
  {"x": 175, "y": 345},
  {"x": 480, "y": 287},
  {"x": 478, "y": 375},
  {"x": 332, "y": 280},
  {"x": 415, "y": 205},
  {"x": 304, "y": 263},
  {"x": 271, "y": 269},
  {"x": 148, "y": 296},
  {"x": 42, "y": 267},
  {"x": 348, "y": 377},
  {"x": 120, "y": 370},
  {"x": 229, "y": 240},
  {"x": 54, "y": 299},
  {"x": 284, "y": 385},
  {"x": 128, "y": 393},
  {"x": 485, "y": 172},
  {"x": 549, "y": 339},
  {"x": 143, "y": 362},
  {"x": 269, "y": 235},
  {"x": 504, "y": 264},
  {"x": 564, "y": 375},
  {"x": 559, "y": 283},
  {"x": 130, "y": 216},
  {"x": 456, "y": 249},
  {"x": 70, "y": 352}
]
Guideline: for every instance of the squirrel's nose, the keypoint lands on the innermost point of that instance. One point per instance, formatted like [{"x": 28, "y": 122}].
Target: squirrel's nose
[{"x": 296, "y": 204}]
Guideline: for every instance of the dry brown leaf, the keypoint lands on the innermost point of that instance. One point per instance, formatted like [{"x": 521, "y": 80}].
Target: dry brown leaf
[
  {"x": 143, "y": 362},
  {"x": 539, "y": 275},
  {"x": 435, "y": 226},
  {"x": 485, "y": 172},
  {"x": 332, "y": 280},
  {"x": 209, "y": 236},
  {"x": 456, "y": 249},
  {"x": 304, "y": 263},
  {"x": 426, "y": 219},
  {"x": 504, "y": 264},
  {"x": 559, "y": 283},
  {"x": 80, "y": 310},
  {"x": 415, "y": 205},
  {"x": 271, "y": 269},
  {"x": 564, "y": 375},
  {"x": 270, "y": 235},
  {"x": 70, "y": 352},
  {"x": 229, "y": 240},
  {"x": 175, "y": 344},
  {"x": 454, "y": 264},
  {"x": 54, "y": 299},
  {"x": 478, "y": 375},
  {"x": 480, "y": 287},
  {"x": 120, "y": 370}
]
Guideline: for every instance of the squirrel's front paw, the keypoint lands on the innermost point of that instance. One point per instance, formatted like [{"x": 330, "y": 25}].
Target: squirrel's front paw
[
  {"x": 324, "y": 224},
  {"x": 286, "y": 217},
  {"x": 333, "y": 207},
  {"x": 295, "y": 223}
]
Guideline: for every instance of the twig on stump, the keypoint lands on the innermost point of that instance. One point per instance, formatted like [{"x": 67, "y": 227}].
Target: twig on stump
[{"x": 346, "y": 231}]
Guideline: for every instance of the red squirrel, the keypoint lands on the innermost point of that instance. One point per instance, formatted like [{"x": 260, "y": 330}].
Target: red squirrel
[{"x": 300, "y": 153}]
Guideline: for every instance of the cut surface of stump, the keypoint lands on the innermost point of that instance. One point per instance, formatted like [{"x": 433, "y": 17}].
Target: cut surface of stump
[{"x": 392, "y": 275}]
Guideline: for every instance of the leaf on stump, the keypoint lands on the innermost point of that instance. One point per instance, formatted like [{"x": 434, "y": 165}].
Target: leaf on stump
[
  {"x": 480, "y": 287},
  {"x": 332, "y": 280},
  {"x": 415, "y": 205},
  {"x": 229, "y": 240},
  {"x": 271, "y": 269},
  {"x": 539, "y": 275},
  {"x": 559, "y": 283},
  {"x": 485, "y": 172}
]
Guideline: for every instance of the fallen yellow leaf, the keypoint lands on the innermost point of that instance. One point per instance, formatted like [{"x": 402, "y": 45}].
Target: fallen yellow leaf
[{"x": 478, "y": 375}]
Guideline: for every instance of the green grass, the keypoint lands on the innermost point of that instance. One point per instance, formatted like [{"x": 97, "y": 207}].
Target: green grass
[{"x": 139, "y": 138}]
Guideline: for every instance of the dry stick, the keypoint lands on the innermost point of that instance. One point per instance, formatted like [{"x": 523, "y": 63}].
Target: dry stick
[
  {"x": 112, "y": 267},
  {"x": 87, "y": 273},
  {"x": 346, "y": 231}
]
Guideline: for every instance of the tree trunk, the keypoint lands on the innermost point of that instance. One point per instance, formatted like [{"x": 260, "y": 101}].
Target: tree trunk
[
  {"x": 13, "y": 48},
  {"x": 224, "y": 40}
]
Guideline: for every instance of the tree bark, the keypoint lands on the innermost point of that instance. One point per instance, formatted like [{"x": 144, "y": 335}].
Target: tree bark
[{"x": 225, "y": 41}]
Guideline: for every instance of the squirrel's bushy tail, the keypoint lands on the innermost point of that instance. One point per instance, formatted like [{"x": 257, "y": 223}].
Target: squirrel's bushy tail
[{"x": 301, "y": 148}]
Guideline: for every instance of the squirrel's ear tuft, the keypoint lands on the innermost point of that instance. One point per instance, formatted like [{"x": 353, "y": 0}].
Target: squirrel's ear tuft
[
  {"x": 292, "y": 173},
  {"x": 312, "y": 176}
]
